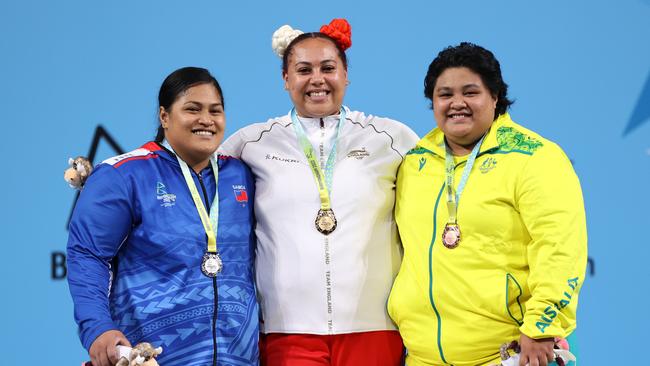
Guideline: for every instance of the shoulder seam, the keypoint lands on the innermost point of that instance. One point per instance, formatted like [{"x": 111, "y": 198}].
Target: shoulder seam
[
  {"x": 504, "y": 152},
  {"x": 392, "y": 141},
  {"x": 261, "y": 134},
  {"x": 149, "y": 156}
]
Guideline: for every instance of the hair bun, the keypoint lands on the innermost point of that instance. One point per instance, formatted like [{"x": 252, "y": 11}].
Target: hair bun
[
  {"x": 282, "y": 37},
  {"x": 341, "y": 31}
]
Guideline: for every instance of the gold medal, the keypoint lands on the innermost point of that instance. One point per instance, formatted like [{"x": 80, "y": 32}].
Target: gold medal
[
  {"x": 211, "y": 264},
  {"x": 451, "y": 236},
  {"x": 325, "y": 221}
]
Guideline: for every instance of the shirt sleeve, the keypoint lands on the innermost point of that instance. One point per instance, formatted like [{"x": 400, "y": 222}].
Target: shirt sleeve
[
  {"x": 550, "y": 201},
  {"x": 100, "y": 223}
]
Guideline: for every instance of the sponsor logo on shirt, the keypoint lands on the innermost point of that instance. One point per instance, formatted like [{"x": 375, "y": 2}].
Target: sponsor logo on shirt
[
  {"x": 166, "y": 199},
  {"x": 358, "y": 154},
  {"x": 423, "y": 161},
  {"x": 281, "y": 159},
  {"x": 240, "y": 193}
]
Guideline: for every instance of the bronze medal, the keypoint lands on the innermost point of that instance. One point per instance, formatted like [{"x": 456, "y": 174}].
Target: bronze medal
[
  {"x": 325, "y": 221},
  {"x": 451, "y": 236},
  {"x": 211, "y": 264}
]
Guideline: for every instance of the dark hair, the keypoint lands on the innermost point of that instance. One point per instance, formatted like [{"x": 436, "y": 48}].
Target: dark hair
[
  {"x": 477, "y": 59},
  {"x": 304, "y": 36},
  {"x": 177, "y": 83}
]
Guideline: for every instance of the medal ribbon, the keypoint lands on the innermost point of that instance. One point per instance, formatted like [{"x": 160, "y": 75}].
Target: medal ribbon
[
  {"x": 454, "y": 199},
  {"x": 323, "y": 179},
  {"x": 209, "y": 221}
]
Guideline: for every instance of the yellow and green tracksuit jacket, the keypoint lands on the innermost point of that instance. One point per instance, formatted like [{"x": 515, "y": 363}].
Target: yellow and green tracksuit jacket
[{"x": 521, "y": 260}]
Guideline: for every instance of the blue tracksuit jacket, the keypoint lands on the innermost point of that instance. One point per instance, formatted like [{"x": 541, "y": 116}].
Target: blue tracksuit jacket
[{"x": 134, "y": 253}]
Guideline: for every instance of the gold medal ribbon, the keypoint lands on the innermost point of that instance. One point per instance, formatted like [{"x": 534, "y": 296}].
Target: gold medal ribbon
[{"x": 323, "y": 179}]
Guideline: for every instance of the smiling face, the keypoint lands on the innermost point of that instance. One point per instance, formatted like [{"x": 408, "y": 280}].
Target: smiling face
[
  {"x": 194, "y": 124},
  {"x": 463, "y": 108},
  {"x": 315, "y": 78}
]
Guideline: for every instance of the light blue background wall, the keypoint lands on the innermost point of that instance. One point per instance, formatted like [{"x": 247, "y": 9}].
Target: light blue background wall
[{"x": 577, "y": 70}]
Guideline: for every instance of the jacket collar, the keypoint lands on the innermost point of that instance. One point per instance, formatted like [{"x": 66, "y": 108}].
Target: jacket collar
[
  {"x": 328, "y": 120},
  {"x": 169, "y": 155},
  {"x": 434, "y": 140},
  {"x": 161, "y": 151}
]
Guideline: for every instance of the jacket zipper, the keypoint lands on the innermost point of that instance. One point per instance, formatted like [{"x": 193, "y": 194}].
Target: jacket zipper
[
  {"x": 321, "y": 146},
  {"x": 214, "y": 287},
  {"x": 433, "y": 305}
]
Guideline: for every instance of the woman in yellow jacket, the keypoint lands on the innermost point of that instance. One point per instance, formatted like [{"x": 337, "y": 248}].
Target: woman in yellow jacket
[{"x": 493, "y": 226}]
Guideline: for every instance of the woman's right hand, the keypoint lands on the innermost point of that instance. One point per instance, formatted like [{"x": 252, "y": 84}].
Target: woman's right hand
[{"x": 103, "y": 351}]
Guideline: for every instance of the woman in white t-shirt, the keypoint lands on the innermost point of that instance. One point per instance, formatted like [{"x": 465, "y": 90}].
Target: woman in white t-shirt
[{"x": 327, "y": 244}]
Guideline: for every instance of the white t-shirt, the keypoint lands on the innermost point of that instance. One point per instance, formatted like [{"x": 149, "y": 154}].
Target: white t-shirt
[{"x": 308, "y": 282}]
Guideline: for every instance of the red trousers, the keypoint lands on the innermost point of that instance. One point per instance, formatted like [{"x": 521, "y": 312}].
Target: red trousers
[{"x": 380, "y": 348}]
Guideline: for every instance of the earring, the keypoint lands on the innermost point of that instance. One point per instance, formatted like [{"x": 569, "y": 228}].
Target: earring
[{"x": 347, "y": 82}]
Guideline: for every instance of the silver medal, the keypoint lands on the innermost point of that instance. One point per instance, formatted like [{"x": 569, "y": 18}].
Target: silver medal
[{"x": 211, "y": 264}]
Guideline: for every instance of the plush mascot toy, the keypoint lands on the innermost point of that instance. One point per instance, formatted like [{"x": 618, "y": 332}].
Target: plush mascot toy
[
  {"x": 78, "y": 172},
  {"x": 143, "y": 354}
]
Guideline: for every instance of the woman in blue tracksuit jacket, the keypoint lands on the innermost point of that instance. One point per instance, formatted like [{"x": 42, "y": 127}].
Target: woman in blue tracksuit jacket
[{"x": 137, "y": 243}]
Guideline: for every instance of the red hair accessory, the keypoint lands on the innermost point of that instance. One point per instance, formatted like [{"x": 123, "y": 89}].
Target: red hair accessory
[{"x": 340, "y": 31}]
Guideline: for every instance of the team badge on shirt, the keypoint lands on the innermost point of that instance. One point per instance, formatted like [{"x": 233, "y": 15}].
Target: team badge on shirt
[
  {"x": 240, "y": 193},
  {"x": 488, "y": 164}
]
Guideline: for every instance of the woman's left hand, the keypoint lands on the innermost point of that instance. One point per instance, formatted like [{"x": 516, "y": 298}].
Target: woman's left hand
[{"x": 536, "y": 352}]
